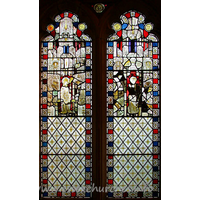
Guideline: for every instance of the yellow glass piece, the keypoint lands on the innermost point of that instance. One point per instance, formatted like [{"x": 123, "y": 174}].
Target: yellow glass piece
[
  {"x": 148, "y": 64},
  {"x": 50, "y": 27},
  {"x": 99, "y": 7},
  {"x": 128, "y": 63},
  {"x": 65, "y": 24},
  {"x": 150, "y": 89},
  {"x": 117, "y": 26},
  {"x": 150, "y": 106},
  {"x": 148, "y": 27},
  {"x": 81, "y": 27}
]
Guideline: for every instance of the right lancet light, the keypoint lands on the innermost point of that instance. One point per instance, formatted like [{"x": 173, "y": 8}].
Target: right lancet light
[{"x": 133, "y": 109}]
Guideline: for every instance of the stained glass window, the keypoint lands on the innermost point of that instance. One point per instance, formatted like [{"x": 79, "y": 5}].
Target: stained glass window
[
  {"x": 66, "y": 109},
  {"x": 133, "y": 101}
]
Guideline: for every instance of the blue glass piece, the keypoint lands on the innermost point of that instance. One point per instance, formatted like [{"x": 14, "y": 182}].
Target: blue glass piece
[
  {"x": 88, "y": 119},
  {"x": 110, "y": 93},
  {"x": 44, "y": 94},
  {"x": 88, "y": 93},
  {"x": 110, "y": 68},
  {"x": 124, "y": 26},
  {"x": 75, "y": 24},
  {"x": 45, "y": 44},
  {"x": 155, "y": 67},
  {"x": 110, "y": 44},
  {"x": 155, "y": 169},
  {"x": 110, "y": 119},
  {"x": 87, "y": 68},
  {"x": 64, "y": 49},
  {"x": 110, "y": 144},
  {"x": 141, "y": 26},
  {"x": 44, "y": 119},
  {"x": 135, "y": 45},
  {"x": 155, "y": 93},
  {"x": 87, "y": 169},
  {"x": 129, "y": 46},
  {"x": 110, "y": 169},
  {"x": 87, "y": 194},
  {"x": 155, "y": 143},
  {"x": 44, "y": 69},
  {"x": 155, "y": 194},
  {"x": 87, "y": 44},
  {"x": 88, "y": 144},
  {"x": 44, "y": 169},
  {"x": 67, "y": 49},
  {"x": 44, "y": 144},
  {"x": 155, "y": 119},
  {"x": 154, "y": 44},
  {"x": 110, "y": 194},
  {"x": 57, "y": 24},
  {"x": 45, "y": 194}
]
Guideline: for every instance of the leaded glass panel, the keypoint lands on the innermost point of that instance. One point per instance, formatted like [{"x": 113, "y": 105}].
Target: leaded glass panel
[
  {"x": 133, "y": 109},
  {"x": 66, "y": 109}
]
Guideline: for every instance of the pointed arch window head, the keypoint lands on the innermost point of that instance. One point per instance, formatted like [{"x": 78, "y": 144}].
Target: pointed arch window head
[
  {"x": 133, "y": 102},
  {"x": 132, "y": 26},
  {"x": 67, "y": 27},
  {"x": 66, "y": 109}
]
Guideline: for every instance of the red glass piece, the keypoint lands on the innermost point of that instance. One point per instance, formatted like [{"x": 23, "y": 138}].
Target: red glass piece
[
  {"x": 145, "y": 33},
  {"x": 125, "y": 194},
  {"x": 70, "y": 15},
  {"x": 155, "y": 56},
  {"x": 44, "y": 131},
  {"x": 87, "y": 182},
  {"x": 155, "y": 181},
  {"x": 53, "y": 33},
  {"x": 87, "y": 80},
  {"x": 88, "y": 131},
  {"x": 62, "y": 15},
  {"x": 110, "y": 157},
  {"x": 155, "y": 80},
  {"x": 155, "y": 105},
  {"x": 44, "y": 106},
  {"x": 45, "y": 56},
  {"x": 87, "y": 56},
  {"x": 44, "y": 156},
  {"x": 133, "y": 73},
  {"x": 110, "y": 131},
  {"x": 128, "y": 15},
  {"x": 137, "y": 14},
  {"x": 44, "y": 81},
  {"x": 59, "y": 194},
  {"x": 155, "y": 156},
  {"x": 110, "y": 106},
  {"x": 87, "y": 157},
  {"x": 73, "y": 194},
  {"x": 110, "y": 81},
  {"x": 119, "y": 33},
  {"x": 145, "y": 46},
  {"x": 45, "y": 181},
  {"x": 121, "y": 46},
  {"x": 155, "y": 131},
  {"x": 88, "y": 106},
  {"x": 79, "y": 33},
  {"x": 110, "y": 181},
  {"x": 110, "y": 56}
]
